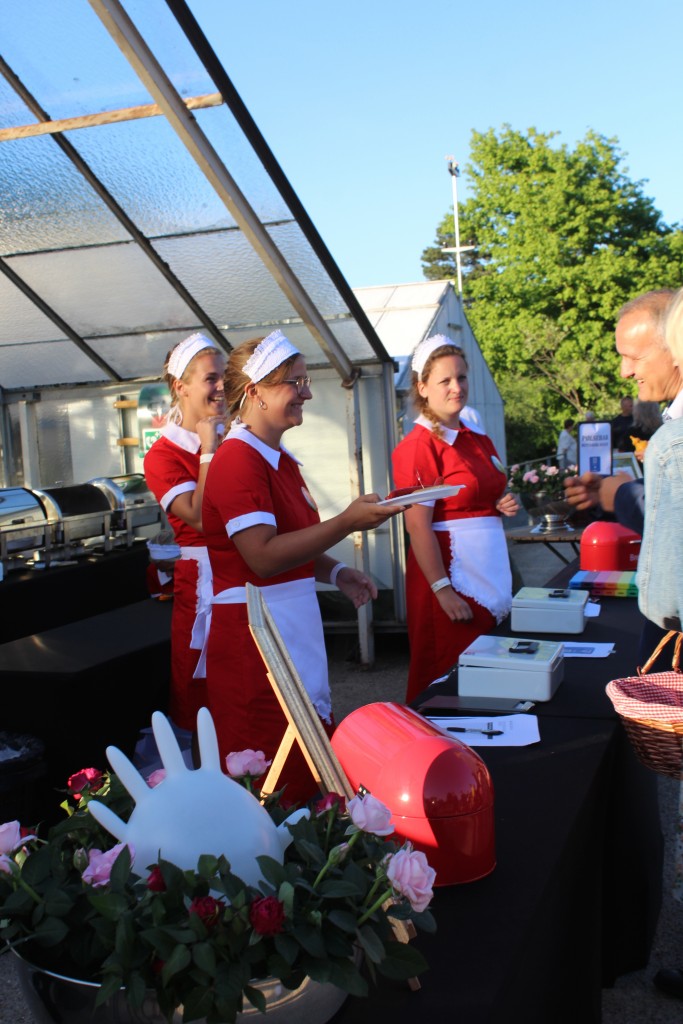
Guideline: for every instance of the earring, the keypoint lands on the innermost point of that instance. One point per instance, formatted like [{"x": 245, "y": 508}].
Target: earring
[{"x": 262, "y": 404}]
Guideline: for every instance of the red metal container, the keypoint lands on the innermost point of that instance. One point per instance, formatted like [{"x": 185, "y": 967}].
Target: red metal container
[
  {"x": 438, "y": 790},
  {"x": 609, "y": 547}
]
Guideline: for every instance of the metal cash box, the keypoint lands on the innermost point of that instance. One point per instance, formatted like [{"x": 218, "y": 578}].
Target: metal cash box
[
  {"x": 500, "y": 666},
  {"x": 539, "y": 610}
]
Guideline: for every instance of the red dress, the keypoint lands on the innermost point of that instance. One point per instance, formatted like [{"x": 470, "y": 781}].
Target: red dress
[
  {"x": 469, "y": 532},
  {"x": 172, "y": 468},
  {"x": 250, "y": 484}
]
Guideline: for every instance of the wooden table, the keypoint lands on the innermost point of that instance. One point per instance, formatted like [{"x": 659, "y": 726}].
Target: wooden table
[{"x": 527, "y": 535}]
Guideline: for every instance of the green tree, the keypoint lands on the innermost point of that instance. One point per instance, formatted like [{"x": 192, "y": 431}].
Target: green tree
[{"x": 562, "y": 239}]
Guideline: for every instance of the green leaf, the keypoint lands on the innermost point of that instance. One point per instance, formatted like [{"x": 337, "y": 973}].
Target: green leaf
[
  {"x": 178, "y": 960},
  {"x": 402, "y": 961},
  {"x": 59, "y": 904},
  {"x": 338, "y": 887},
  {"x": 271, "y": 870},
  {"x": 256, "y": 998},
  {"x": 197, "y": 1004},
  {"x": 286, "y": 946},
  {"x": 286, "y": 896},
  {"x": 343, "y": 919},
  {"x": 204, "y": 956},
  {"x": 51, "y": 931},
  {"x": 109, "y": 904},
  {"x": 311, "y": 939},
  {"x": 207, "y": 866},
  {"x": 371, "y": 943}
]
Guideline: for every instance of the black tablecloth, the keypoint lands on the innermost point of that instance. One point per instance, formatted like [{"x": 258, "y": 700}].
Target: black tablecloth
[{"x": 574, "y": 898}]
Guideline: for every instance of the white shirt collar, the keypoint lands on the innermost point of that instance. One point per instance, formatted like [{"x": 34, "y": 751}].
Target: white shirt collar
[
  {"x": 241, "y": 432},
  {"x": 675, "y": 410},
  {"x": 448, "y": 434},
  {"x": 186, "y": 439}
]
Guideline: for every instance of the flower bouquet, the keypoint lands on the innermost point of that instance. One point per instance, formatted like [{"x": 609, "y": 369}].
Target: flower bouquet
[
  {"x": 541, "y": 489},
  {"x": 79, "y": 904}
]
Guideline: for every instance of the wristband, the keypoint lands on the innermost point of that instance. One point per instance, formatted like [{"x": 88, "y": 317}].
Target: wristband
[
  {"x": 336, "y": 569},
  {"x": 205, "y": 458},
  {"x": 440, "y": 584}
]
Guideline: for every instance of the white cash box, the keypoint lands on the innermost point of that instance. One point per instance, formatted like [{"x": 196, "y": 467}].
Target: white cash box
[
  {"x": 503, "y": 666},
  {"x": 538, "y": 610}
]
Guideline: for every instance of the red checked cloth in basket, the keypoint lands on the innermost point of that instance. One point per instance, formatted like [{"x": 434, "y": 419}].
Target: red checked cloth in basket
[{"x": 657, "y": 697}]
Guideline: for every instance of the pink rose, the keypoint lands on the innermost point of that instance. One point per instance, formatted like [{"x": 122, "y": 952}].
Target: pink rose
[
  {"x": 10, "y": 836},
  {"x": 530, "y": 477},
  {"x": 100, "y": 864},
  {"x": 411, "y": 876},
  {"x": 6, "y": 864},
  {"x": 515, "y": 468},
  {"x": 552, "y": 471},
  {"x": 156, "y": 777},
  {"x": 246, "y": 762},
  {"x": 370, "y": 815}
]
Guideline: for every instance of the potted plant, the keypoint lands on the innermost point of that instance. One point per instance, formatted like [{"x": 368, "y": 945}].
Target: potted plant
[{"x": 203, "y": 941}]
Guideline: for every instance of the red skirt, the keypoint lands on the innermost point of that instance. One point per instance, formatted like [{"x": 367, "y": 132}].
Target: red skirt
[
  {"x": 435, "y": 641},
  {"x": 245, "y": 710},
  {"x": 188, "y": 695}
]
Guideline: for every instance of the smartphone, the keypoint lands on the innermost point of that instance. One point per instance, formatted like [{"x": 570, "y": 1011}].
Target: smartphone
[
  {"x": 524, "y": 647},
  {"x": 454, "y": 705},
  {"x": 595, "y": 448}
]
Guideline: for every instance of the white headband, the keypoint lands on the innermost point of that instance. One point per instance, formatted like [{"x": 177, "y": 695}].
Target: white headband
[
  {"x": 187, "y": 350},
  {"x": 425, "y": 349},
  {"x": 268, "y": 355}
]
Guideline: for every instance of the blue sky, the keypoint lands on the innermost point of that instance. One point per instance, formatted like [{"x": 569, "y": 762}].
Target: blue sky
[{"x": 362, "y": 101}]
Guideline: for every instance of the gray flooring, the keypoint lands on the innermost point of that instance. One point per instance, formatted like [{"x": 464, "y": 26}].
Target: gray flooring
[{"x": 633, "y": 1000}]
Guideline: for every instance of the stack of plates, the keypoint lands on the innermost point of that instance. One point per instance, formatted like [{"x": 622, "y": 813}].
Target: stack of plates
[{"x": 605, "y": 584}]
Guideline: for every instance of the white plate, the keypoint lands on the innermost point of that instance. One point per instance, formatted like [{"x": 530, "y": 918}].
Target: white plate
[{"x": 424, "y": 494}]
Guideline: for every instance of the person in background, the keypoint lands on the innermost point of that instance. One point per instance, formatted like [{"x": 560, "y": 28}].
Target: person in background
[
  {"x": 566, "y": 446},
  {"x": 622, "y": 424},
  {"x": 660, "y": 565},
  {"x": 176, "y": 468},
  {"x": 262, "y": 527},
  {"x": 458, "y": 579},
  {"x": 647, "y": 418}
]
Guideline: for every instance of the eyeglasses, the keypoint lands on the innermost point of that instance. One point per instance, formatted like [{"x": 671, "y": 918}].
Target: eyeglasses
[{"x": 299, "y": 383}]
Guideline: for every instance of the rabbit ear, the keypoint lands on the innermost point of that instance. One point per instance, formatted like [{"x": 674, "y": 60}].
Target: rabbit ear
[
  {"x": 169, "y": 751},
  {"x": 208, "y": 741}
]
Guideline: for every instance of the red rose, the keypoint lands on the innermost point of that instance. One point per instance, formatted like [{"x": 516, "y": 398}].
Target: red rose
[
  {"x": 330, "y": 802},
  {"x": 267, "y": 916},
  {"x": 155, "y": 880},
  {"x": 87, "y": 778},
  {"x": 208, "y": 909}
]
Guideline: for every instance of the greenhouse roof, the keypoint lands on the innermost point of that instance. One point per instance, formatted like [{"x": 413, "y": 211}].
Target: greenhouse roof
[{"x": 140, "y": 203}]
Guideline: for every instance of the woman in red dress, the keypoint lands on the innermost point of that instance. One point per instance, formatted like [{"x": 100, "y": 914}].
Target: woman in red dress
[
  {"x": 262, "y": 527},
  {"x": 175, "y": 469},
  {"x": 458, "y": 578}
]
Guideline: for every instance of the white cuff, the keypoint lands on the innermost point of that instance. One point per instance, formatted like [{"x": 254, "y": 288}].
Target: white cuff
[
  {"x": 205, "y": 458},
  {"x": 440, "y": 584},
  {"x": 336, "y": 569}
]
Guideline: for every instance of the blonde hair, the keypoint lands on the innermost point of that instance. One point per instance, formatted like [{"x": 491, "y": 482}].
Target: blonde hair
[
  {"x": 673, "y": 334},
  {"x": 236, "y": 379},
  {"x": 419, "y": 401},
  {"x": 175, "y": 413}
]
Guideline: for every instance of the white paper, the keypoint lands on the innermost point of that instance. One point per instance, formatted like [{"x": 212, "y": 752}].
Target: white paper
[
  {"x": 584, "y": 650},
  {"x": 592, "y": 610},
  {"x": 515, "y": 730}
]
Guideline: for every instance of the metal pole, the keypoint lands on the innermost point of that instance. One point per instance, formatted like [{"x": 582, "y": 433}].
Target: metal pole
[{"x": 454, "y": 171}]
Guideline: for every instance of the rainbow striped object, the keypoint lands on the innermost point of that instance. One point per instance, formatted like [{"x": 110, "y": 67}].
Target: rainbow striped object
[{"x": 605, "y": 584}]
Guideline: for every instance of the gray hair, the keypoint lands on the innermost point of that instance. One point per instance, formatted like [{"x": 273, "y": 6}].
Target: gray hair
[{"x": 653, "y": 306}]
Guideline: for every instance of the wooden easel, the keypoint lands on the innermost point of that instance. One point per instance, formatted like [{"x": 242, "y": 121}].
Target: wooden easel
[{"x": 303, "y": 724}]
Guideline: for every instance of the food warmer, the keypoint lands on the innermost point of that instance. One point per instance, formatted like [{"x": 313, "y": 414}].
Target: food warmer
[{"x": 45, "y": 526}]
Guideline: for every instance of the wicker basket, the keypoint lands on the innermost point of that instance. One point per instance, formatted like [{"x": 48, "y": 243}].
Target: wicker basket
[{"x": 651, "y": 709}]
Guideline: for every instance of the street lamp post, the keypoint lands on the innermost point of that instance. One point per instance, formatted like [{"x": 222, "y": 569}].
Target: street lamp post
[{"x": 454, "y": 172}]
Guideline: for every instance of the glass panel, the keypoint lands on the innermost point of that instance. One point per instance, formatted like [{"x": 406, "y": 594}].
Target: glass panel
[
  {"x": 47, "y": 204},
  {"x": 236, "y": 152},
  {"x": 46, "y": 363},
  {"x": 105, "y": 291},
  {"x": 20, "y": 319},
  {"x": 227, "y": 278},
  {"x": 139, "y": 355},
  {"x": 64, "y": 55},
  {"x": 296, "y": 250},
  {"x": 152, "y": 176}
]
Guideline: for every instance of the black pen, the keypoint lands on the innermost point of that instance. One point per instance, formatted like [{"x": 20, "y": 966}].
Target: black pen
[{"x": 483, "y": 732}]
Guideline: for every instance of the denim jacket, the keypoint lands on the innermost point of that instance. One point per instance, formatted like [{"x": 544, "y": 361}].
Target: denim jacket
[{"x": 660, "y": 566}]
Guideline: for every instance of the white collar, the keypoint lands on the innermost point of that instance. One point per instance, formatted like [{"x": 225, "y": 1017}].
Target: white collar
[
  {"x": 186, "y": 439},
  {"x": 675, "y": 410},
  {"x": 448, "y": 434},
  {"x": 241, "y": 432}
]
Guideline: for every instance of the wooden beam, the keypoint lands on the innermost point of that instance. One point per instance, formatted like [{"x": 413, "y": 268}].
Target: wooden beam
[{"x": 67, "y": 124}]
